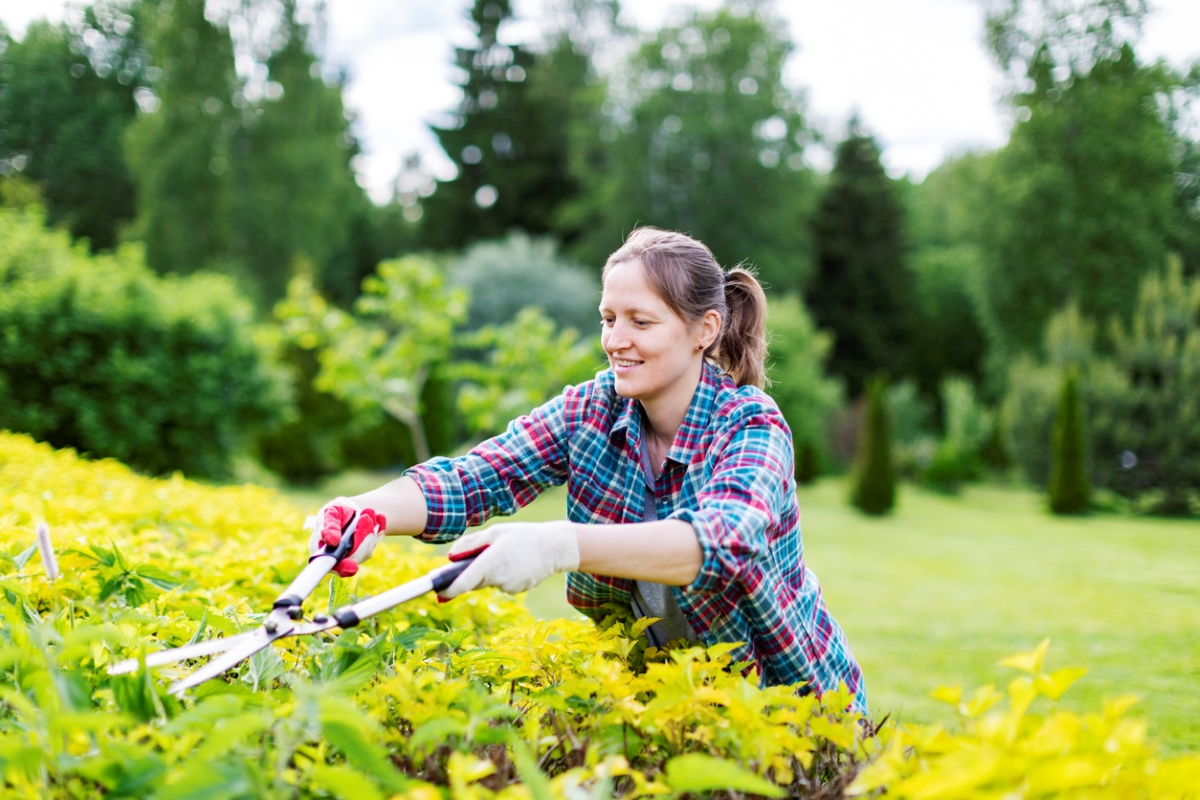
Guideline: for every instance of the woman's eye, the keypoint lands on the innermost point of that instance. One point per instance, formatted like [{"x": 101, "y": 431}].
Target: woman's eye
[{"x": 606, "y": 322}]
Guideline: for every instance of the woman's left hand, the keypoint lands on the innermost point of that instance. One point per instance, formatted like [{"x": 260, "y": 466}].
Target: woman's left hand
[{"x": 514, "y": 556}]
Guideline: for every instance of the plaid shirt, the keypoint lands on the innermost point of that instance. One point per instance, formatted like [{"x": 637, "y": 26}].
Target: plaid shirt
[{"x": 729, "y": 473}]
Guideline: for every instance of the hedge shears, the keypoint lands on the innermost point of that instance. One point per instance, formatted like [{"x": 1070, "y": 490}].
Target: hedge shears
[{"x": 286, "y": 614}]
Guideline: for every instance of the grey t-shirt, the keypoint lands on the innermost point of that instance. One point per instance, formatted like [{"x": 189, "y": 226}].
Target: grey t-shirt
[{"x": 652, "y": 599}]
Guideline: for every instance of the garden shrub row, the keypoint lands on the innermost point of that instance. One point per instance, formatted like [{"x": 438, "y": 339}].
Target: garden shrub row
[
  {"x": 99, "y": 354},
  {"x": 469, "y": 699}
]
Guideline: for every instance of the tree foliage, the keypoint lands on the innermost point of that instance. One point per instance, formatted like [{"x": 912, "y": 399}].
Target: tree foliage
[
  {"x": 799, "y": 386},
  {"x": 704, "y": 123},
  {"x": 380, "y": 356},
  {"x": 944, "y": 215},
  {"x": 874, "y": 490},
  {"x": 64, "y": 109},
  {"x": 1069, "y": 488},
  {"x": 518, "y": 271},
  {"x": 508, "y": 138},
  {"x": 861, "y": 291}
]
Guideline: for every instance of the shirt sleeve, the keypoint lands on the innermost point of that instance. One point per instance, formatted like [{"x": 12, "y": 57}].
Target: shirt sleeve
[
  {"x": 499, "y": 475},
  {"x": 740, "y": 502}
]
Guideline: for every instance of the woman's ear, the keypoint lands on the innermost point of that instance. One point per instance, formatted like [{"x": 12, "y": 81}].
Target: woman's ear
[{"x": 710, "y": 328}]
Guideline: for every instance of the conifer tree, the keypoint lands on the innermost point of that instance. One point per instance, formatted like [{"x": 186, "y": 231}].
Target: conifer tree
[
  {"x": 509, "y": 137},
  {"x": 1069, "y": 485},
  {"x": 874, "y": 481},
  {"x": 862, "y": 287}
]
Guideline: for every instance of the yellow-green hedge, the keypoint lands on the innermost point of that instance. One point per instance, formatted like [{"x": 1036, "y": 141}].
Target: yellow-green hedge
[{"x": 468, "y": 699}]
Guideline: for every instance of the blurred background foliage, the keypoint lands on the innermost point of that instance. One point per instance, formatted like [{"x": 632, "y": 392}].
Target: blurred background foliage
[{"x": 233, "y": 297}]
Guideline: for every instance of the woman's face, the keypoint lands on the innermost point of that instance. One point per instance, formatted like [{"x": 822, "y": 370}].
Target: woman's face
[{"x": 652, "y": 352}]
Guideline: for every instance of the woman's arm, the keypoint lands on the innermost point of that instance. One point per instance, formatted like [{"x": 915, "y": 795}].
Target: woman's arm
[
  {"x": 401, "y": 502},
  {"x": 666, "y": 551}
]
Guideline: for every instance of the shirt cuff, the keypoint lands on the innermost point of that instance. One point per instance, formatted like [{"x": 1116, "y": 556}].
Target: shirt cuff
[
  {"x": 720, "y": 567},
  {"x": 446, "y": 514}
]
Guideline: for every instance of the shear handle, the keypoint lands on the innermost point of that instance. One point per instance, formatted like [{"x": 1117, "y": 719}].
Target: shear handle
[
  {"x": 318, "y": 567},
  {"x": 349, "y": 616}
]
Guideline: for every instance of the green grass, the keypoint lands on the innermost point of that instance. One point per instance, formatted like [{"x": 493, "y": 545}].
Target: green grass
[{"x": 945, "y": 587}]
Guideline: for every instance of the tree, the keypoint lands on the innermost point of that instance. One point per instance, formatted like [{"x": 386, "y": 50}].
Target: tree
[
  {"x": 945, "y": 214},
  {"x": 251, "y": 176},
  {"x": 295, "y": 201},
  {"x": 64, "y": 109},
  {"x": 874, "y": 482},
  {"x": 707, "y": 139},
  {"x": 179, "y": 150},
  {"x": 508, "y": 138},
  {"x": 1146, "y": 439},
  {"x": 1069, "y": 485},
  {"x": 382, "y": 355},
  {"x": 807, "y": 398},
  {"x": 527, "y": 361},
  {"x": 506, "y": 276},
  {"x": 1085, "y": 194},
  {"x": 861, "y": 292}
]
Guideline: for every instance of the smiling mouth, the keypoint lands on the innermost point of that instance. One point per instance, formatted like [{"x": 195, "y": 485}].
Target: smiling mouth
[{"x": 620, "y": 362}]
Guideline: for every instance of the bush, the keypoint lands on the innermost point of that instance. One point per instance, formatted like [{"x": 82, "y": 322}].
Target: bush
[
  {"x": 968, "y": 428},
  {"x": 1146, "y": 438},
  {"x": 1069, "y": 486},
  {"x": 914, "y": 442},
  {"x": 874, "y": 482},
  {"x": 510, "y": 274},
  {"x": 797, "y": 353},
  {"x": 471, "y": 699},
  {"x": 99, "y": 354},
  {"x": 1143, "y": 421}
]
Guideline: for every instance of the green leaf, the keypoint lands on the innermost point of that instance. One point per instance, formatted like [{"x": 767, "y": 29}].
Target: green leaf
[
  {"x": 206, "y": 779},
  {"x": 158, "y": 576},
  {"x": 534, "y": 779},
  {"x": 342, "y": 781},
  {"x": 695, "y": 772},
  {"x": 23, "y": 559},
  {"x": 338, "y": 595},
  {"x": 343, "y": 726}
]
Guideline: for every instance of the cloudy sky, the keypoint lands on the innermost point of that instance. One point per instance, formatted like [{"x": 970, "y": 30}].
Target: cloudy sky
[{"x": 915, "y": 71}]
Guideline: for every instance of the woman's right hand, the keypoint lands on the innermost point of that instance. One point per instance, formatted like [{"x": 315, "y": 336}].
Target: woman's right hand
[{"x": 330, "y": 524}]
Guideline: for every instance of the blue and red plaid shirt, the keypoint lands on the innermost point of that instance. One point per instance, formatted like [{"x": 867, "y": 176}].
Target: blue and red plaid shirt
[{"x": 729, "y": 473}]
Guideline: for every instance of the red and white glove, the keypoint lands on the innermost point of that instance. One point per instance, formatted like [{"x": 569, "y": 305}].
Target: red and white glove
[
  {"x": 514, "y": 556},
  {"x": 330, "y": 523}
]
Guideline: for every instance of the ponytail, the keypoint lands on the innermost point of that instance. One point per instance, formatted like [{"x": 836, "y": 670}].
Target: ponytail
[{"x": 741, "y": 349}]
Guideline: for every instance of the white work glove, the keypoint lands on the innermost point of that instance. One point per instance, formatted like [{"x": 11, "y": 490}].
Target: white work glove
[
  {"x": 329, "y": 523},
  {"x": 515, "y": 557}
]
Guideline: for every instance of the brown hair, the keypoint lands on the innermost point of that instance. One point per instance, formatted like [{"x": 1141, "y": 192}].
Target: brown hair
[{"x": 684, "y": 273}]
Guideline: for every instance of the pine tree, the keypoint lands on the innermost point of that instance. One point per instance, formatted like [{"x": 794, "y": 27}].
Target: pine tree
[
  {"x": 862, "y": 287},
  {"x": 509, "y": 139},
  {"x": 1069, "y": 485},
  {"x": 874, "y": 482}
]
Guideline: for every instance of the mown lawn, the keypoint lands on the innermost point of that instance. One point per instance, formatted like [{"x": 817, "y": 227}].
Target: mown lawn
[{"x": 941, "y": 590}]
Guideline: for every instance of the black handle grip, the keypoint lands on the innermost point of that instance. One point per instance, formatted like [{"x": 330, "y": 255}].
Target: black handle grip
[
  {"x": 445, "y": 577},
  {"x": 344, "y": 546}
]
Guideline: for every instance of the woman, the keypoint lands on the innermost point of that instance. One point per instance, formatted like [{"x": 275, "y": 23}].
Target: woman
[{"x": 681, "y": 496}]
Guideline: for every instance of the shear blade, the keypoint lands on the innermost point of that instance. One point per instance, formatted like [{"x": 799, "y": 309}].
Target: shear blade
[
  {"x": 256, "y": 640},
  {"x": 195, "y": 650}
]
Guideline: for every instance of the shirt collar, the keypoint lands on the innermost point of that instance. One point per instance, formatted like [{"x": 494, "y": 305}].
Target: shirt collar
[{"x": 695, "y": 421}]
